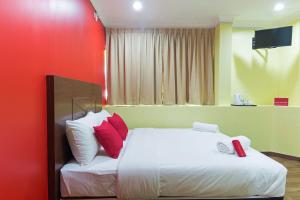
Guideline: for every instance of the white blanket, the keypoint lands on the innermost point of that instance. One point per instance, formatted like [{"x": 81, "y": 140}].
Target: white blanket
[
  {"x": 138, "y": 172},
  {"x": 182, "y": 162}
]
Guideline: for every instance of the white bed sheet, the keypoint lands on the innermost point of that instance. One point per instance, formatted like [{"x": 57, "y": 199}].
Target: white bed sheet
[
  {"x": 191, "y": 166},
  {"x": 97, "y": 179}
]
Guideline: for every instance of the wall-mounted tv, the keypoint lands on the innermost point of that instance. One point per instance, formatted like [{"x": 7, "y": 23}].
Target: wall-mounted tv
[{"x": 272, "y": 38}]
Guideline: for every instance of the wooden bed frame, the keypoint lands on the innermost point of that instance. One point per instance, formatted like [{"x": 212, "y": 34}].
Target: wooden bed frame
[{"x": 69, "y": 99}]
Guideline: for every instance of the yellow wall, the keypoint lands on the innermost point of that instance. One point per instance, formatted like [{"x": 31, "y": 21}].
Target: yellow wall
[
  {"x": 223, "y": 63},
  {"x": 263, "y": 74}
]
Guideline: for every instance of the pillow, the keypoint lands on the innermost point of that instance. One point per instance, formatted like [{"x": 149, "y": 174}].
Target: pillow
[
  {"x": 100, "y": 116},
  {"x": 109, "y": 138},
  {"x": 118, "y": 123},
  {"x": 81, "y": 138}
]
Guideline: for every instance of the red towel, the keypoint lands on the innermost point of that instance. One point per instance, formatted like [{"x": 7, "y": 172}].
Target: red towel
[{"x": 238, "y": 148}]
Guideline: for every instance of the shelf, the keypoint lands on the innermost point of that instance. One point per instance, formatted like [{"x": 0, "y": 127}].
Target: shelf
[{"x": 244, "y": 105}]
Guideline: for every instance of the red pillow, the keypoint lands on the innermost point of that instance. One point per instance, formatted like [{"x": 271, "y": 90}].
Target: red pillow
[
  {"x": 118, "y": 123},
  {"x": 109, "y": 138}
]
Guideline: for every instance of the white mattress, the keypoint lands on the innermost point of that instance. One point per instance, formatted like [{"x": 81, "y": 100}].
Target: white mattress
[{"x": 189, "y": 165}]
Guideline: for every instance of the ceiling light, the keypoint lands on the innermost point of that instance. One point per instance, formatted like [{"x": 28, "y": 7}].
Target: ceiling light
[
  {"x": 279, "y": 7},
  {"x": 137, "y": 5}
]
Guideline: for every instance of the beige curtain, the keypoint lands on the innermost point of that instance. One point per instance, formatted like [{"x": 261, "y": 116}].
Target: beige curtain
[{"x": 160, "y": 66}]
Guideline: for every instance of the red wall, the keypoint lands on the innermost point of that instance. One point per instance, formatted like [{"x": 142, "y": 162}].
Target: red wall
[{"x": 39, "y": 37}]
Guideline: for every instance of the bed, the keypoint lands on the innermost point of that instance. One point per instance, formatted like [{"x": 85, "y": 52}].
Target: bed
[{"x": 154, "y": 163}]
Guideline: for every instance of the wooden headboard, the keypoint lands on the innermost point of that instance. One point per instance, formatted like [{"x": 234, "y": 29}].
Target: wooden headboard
[{"x": 67, "y": 99}]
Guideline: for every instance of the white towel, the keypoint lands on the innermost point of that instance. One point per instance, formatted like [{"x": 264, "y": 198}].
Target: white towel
[
  {"x": 226, "y": 146},
  {"x": 245, "y": 141},
  {"x": 204, "y": 127}
]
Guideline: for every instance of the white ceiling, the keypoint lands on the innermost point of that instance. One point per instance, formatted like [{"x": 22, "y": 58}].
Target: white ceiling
[{"x": 195, "y": 13}]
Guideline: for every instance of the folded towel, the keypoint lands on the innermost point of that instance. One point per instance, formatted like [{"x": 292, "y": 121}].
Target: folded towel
[
  {"x": 226, "y": 146},
  {"x": 204, "y": 127}
]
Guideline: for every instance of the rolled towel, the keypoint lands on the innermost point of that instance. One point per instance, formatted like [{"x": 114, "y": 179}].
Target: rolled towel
[
  {"x": 245, "y": 141},
  {"x": 226, "y": 146},
  {"x": 204, "y": 127}
]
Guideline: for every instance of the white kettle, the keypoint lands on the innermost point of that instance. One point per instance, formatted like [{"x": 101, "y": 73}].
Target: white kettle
[{"x": 238, "y": 99}]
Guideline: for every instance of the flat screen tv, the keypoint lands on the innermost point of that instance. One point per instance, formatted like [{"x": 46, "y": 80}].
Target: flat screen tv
[{"x": 272, "y": 38}]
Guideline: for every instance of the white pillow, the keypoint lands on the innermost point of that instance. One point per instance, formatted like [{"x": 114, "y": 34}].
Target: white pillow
[
  {"x": 101, "y": 116},
  {"x": 81, "y": 138}
]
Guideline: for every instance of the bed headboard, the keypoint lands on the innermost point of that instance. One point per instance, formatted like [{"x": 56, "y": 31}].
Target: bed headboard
[{"x": 67, "y": 99}]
